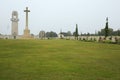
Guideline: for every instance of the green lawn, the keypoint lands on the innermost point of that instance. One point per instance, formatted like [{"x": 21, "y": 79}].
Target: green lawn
[{"x": 58, "y": 60}]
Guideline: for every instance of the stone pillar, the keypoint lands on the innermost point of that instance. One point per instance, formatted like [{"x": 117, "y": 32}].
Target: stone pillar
[{"x": 27, "y": 31}]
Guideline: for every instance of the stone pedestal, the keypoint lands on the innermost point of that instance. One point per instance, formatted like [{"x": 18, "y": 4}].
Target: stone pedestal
[{"x": 27, "y": 34}]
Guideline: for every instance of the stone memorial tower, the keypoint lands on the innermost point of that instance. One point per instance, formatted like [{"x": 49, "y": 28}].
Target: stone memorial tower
[{"x": 14, "y": 19}]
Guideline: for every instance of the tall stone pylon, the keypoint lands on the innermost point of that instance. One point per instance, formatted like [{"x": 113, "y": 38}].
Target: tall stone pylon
[
  {"x": 27, "y": 31},
  {"x": 14, "y": 19}
]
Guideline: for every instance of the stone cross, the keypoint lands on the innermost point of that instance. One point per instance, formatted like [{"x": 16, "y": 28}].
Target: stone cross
[{"x": 26, "y": 17}]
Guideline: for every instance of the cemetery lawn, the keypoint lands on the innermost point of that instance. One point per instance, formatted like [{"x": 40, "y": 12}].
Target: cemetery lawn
[{"x": 58, "y": 60}]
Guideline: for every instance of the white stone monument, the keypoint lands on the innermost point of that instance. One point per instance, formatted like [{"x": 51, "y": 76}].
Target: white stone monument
[
  {"x": 27, "y": 31},
  {"x": 14, "y": 19}
]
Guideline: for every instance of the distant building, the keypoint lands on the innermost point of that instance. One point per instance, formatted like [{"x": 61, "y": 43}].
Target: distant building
[
  {"x": 60, "y": 35},
  {"x": 42, "y": 35},
  {"x": 64, "y": 34}
]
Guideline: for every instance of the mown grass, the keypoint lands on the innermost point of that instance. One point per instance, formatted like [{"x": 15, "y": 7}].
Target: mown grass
[{"x": 58, "y": 60}]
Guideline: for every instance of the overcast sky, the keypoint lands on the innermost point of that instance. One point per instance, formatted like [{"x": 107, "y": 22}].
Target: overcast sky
[{"x": 54, "y": 15}]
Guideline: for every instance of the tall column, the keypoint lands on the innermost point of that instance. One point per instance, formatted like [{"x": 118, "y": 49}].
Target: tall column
[
  {"x": 26, "y": 31},
  {"x": 26, "y": 17}
]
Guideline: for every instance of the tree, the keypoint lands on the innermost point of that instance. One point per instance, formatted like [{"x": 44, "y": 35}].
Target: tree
[
  {"x": 106, "y": 29},
  {"x": 69, "y": 33},
  {"x": 76, "y": 32},
  {"x": 118, "y": 32},
  {"x": 88, "y": 34},
  {"x": 51, "y": 34}
]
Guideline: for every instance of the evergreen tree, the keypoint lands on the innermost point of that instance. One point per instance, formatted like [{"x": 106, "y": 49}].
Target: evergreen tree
[
  {"x": 106, "y": 28},
  {"x": 76, "y": 32}
]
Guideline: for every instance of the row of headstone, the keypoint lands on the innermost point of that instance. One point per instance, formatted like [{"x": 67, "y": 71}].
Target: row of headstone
[
  {"x": 114, "y": 39},
  {"x": 96, "y": 38}
]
